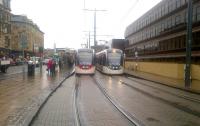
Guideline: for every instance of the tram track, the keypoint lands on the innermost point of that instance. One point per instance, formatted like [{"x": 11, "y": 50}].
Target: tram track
[
  {"x": 75, "y": 99},
  {"x": 125, "y": 113},
  {"x": 171, "y": 103},
  {"x": 165, "y": 91}
]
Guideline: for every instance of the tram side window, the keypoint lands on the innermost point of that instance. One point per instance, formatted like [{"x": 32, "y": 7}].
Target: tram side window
[
  {"x": 104, "y": 60},
  {"x": 198, "y": 13},
  {"x": 100, "y": 60}
]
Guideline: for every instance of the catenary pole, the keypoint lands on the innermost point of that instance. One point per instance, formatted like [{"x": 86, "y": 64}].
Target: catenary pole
[{"x": 188, "y": 47}]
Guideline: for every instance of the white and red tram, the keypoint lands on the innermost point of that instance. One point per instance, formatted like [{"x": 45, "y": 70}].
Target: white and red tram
[{"x": 85, "y": 63}]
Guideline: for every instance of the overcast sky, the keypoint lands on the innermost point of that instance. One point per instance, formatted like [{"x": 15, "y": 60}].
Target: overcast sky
[{"x": 65, "y": 23}]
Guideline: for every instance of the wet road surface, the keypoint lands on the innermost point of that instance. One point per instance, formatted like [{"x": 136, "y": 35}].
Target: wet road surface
[
  {"x": 152, "y": 107},
  {"x": 150, "y": 103},
  {"x": 95, "y": 109}
]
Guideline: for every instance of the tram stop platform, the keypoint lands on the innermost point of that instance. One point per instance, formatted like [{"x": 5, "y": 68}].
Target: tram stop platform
[{"x": 176, "y": 83}]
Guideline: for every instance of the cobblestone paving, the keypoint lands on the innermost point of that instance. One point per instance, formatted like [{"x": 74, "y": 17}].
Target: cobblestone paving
[
  {"x": 95, "y": 109},
  {"x": 58, "y": 110},
  {"x": 20, "y": 92},
  {"x": 150, "y": 111}
]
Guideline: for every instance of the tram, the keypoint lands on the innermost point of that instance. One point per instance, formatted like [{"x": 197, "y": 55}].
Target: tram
[
  {"x": 110, "y": 61},
  {"x": 85, "y": 63}
]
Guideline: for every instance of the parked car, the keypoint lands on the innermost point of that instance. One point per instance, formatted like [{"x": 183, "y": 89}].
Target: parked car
[
  {"x": 12, "y": 62},
  {"x": 19, "y": 62},
  {"x": 45, "y": 61},
  {"x": 34, "y": 60}
]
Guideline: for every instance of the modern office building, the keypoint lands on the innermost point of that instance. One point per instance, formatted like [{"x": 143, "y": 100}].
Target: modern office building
[{"x": 157, "y": 40}]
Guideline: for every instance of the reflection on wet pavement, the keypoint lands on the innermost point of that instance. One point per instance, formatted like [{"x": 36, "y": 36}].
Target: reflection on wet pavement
[{"x": 17, "y": 90}]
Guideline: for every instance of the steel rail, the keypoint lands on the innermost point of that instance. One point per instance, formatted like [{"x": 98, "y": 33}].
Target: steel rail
[
  {"x": 77, "y": 115},
  {"x": 125, "y": 113},
  {"x": 174, "y": 94},
  {"x": 173, "y": 104}
]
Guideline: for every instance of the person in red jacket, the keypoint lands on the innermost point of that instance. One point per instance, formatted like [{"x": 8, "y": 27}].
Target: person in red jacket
[{"x": 49, "y": 66}]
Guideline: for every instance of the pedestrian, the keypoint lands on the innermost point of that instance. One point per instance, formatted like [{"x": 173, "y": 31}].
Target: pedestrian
[
  {"x": 49, "y": 67},
  {"x": 53, "y": 67},
  {"x": 60, "y": 64}
]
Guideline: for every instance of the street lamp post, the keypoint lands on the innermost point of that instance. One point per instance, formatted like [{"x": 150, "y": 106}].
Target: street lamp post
[{"x": 188, "y": 47}]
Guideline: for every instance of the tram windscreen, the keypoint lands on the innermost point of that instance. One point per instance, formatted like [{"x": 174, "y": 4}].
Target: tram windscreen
[
  {"x": 85, "y": 58},
  {"x": 114, "y": 58}
]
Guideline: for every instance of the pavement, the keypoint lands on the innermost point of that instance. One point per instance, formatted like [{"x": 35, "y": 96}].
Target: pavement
[
  {"x": 176, "y": 83},
  {"x": 58, "y": 110},
  {"x": 21, "y": 94}
]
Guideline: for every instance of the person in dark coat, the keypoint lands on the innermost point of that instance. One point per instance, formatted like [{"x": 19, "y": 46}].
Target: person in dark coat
[
  {"x": 60, "y": 64},
  {"x": 53, "y": 67}
]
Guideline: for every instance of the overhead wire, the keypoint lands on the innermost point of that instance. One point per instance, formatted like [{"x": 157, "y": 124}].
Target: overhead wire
[{"x": 129, "y": 11}]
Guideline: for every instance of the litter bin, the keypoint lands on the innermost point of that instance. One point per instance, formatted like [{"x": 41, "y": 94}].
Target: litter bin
[{"x": 31, "y": 68}]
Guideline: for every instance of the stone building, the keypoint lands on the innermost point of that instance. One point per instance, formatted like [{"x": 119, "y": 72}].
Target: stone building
[
  {"x": 5, "y": 26},
  {"x": 25, "y": 35}
]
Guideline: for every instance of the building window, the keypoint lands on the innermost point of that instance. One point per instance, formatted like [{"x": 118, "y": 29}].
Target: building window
[
  {"x": 7, "y": 42},
  {"x": 155, "y": 16},
  {"x": 167, "y": 8},
  {"x": 163, "y": 10},
  {"x": 178, "y": 3},
  {"x": 198, "y": 13},
  {"x": 159, "y": 12},
  {"x": 173, "y": 4},
  {"x": 159, "y": 29},
  {"x": 183, "y": 2},
  {"x": 162, "y": 27},
  {"x": 170, "y": 5},
  {"x": 169, "y": 23},
  {"x": 177, "y": 20}
]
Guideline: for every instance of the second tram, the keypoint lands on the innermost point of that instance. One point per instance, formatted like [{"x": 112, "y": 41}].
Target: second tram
[
  {"x": 110, "y": 61},
  {"x": 85, "y": 63}
]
